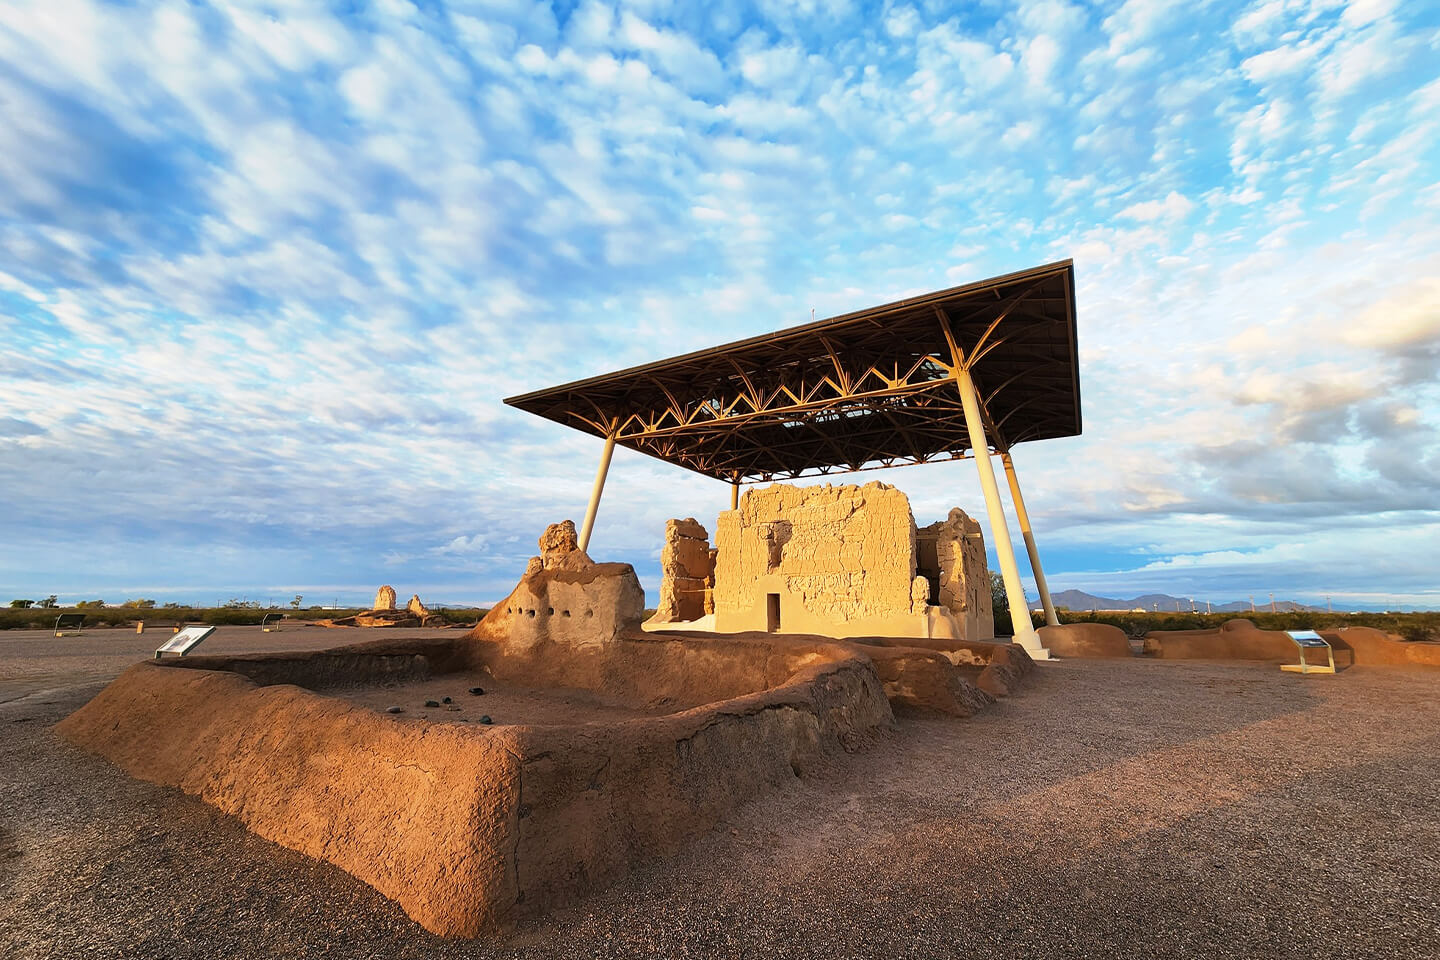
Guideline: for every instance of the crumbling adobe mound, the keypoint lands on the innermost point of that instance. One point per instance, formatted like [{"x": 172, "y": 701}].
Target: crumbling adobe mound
[
  {"x": 1241, "y": 640},
  {"x": 419, "y": 811},
  {"x": 1095, "y": 640},
  {"x": 1370, "y": 647},
  {"x": 385, "y": 614},
  {"x": 917, "y": 670},
  {"x": 1233, "y": 640}
]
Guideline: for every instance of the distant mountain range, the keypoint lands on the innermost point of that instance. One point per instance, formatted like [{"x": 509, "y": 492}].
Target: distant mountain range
[{"x": 1080, "y": 600}]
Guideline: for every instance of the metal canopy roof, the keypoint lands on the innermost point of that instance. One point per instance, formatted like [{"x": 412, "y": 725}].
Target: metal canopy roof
[{"x": 870, "y": 389}]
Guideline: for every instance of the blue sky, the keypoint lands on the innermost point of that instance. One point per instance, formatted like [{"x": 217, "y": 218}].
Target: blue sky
[{"x": 267, "y": 270}]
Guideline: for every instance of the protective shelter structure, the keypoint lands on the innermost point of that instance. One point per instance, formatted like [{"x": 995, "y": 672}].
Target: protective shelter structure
[{"x": 942, "y": 376}]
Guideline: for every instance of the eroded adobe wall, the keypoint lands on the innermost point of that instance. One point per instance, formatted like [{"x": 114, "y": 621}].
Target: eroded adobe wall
[
  {"x": 964, "y": 577},
  {"x": 593, "y": 807},
  {"x": 1370, "y": 647},
  {"x": 565, "y": 599},
  {"x": 687, "y": 573},
  {"x": 841, "y": 560},
  {"x": 1237, "y": 639},
  {"x": 423, "y": 812}
]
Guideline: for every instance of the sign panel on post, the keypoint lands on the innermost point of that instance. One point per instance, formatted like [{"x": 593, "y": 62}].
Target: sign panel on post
[
  {"x": 1309, "y": 640},
  {"x": 184, "y": 641}
]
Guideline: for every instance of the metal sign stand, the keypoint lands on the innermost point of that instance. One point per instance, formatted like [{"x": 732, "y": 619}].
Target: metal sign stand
[
  {"x": 1309, "y": 640},
  {"x": 270, "y": 623},
  {"x": 68, "y": 622}
]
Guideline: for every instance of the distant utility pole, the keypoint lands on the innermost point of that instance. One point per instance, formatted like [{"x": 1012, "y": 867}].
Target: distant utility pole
[
  {"x": 1207, "y": 607},
  {"x": 1328, "y": 608},
  {"x": 1272, "y": 603},
  {"x": 1252, "y": 604}
]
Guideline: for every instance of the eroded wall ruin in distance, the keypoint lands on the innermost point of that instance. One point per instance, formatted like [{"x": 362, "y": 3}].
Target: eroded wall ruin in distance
[{"x": 384, "y": 598}]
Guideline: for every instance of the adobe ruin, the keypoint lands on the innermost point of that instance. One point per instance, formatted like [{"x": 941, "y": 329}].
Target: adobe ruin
[
  {"x": 609, "y": 746},
  {"x": 385, "y": 613},
  {"x": 384, "y": 599},
  {"x": 836, "y": 561},
  {"x": 687, "y": 573}
]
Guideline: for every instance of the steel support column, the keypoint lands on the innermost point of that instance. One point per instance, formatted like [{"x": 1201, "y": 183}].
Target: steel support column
[
  {"x": 1025, "y": 634},
  {"x": 734, "y": 496},
  {"x": 595, "y": 492},
  {"x": 1024, "y": 517}
]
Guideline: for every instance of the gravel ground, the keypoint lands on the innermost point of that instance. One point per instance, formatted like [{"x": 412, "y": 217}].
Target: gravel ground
[
  {"x": 1128, "y": 809},
  {"x": 37, "y": 661}
]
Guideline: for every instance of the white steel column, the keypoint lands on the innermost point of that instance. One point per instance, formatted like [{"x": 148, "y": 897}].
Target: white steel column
[
  {"x": 1030, "y": 548},
  {"x": 594, "y": 507},
  {"x": 1025, "y": 634}
]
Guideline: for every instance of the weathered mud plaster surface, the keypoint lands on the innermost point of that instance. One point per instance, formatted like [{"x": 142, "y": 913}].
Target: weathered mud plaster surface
[
  {"x": 687, "y": 573},
  {"x": 956, "y": 549},
  {"x": 1368, "y": 646},
  {"x": 471, "y": 827},
  {"x": 841, "y": 561},
  {"x": 1242, "y": 640},
  {"x": 916, "y": 671},
  {"x": 1086, "y": 640}
]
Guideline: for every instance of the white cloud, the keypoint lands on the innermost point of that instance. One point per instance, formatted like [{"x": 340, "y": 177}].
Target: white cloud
[
  {"x": 1279, "y": 62},
  {"x": 1039, "y": 58},
  {"x": 1173, "y": 207},
  {"x": 1407, "y": 321}
]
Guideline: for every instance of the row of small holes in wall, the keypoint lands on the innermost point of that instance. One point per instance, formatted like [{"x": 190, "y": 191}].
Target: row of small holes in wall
[{"x": 550, "y": 612}]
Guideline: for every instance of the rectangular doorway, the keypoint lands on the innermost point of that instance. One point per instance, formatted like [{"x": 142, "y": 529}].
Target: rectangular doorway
[{"x": 772, "y": 612}]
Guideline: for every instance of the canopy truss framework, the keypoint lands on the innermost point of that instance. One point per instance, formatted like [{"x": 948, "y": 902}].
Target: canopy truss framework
[{"x": 866, "y": 390}]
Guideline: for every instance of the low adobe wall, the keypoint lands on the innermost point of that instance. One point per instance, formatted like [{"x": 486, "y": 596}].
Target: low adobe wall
[
  {"x": 422, "y": 812},
  {"x": 1087, "y": 640},
  {"x": 1370, "y": 647},
  {"x": 1232, "y": 640},
  {"x": 1241, "y": 640},
  {"x": 471, "y": 828},
  {"x": 952, "y": 676}
]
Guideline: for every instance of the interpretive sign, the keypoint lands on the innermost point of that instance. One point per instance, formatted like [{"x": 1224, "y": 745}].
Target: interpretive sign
[
  {"x": 69, "y": 624},
  {"x": 184, "y": 641},
  {"x": 1309, "y": 640},
  {"x": 271, "y": 621}
]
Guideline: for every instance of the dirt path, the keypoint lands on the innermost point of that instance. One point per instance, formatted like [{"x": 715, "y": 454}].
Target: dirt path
[{"x": 1126, "y": 809}]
